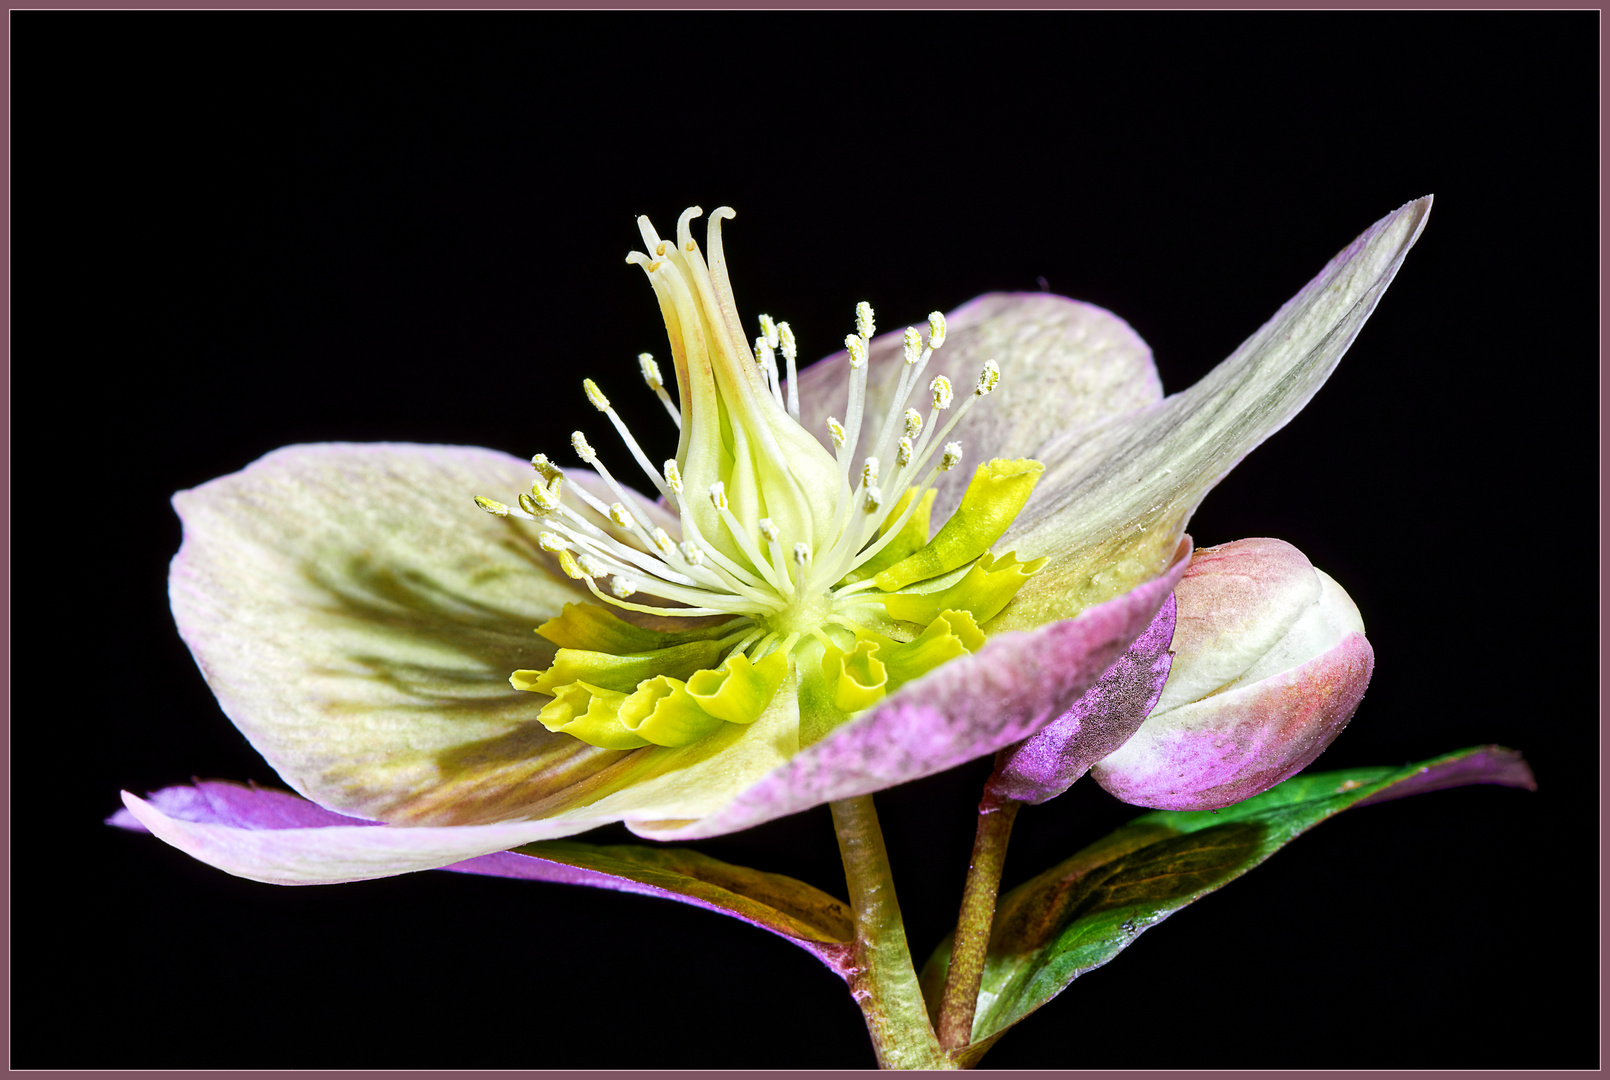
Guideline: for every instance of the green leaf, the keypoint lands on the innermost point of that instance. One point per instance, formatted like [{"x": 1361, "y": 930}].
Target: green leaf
[
  {"x": 804, "y": 914},
  {"x": 1086, "y": 910}
]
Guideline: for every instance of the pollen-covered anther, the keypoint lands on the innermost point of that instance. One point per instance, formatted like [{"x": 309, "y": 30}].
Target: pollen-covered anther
[
  {"x": 545, "y": 496},
  {"x": 650, "y": 370},
  {"x": 673, "y": 476},
  {"x": 552, "y": 542},
  {"x": 952, "y": 456},
  {"x": 768, "y": 330},
  {"x": 690, "y": 552},
  {"x": 590, "y": 566},
  {"x": 802, "y": 553},
  {"x": 663, "y": 541},
  {"x": 595, "y": 395},
  {"x": 492, "y": 506},
  {"x": 620, "y": 515},
  {"x": 836, "y": 430},
  {"x": 863, "y": 320},
  {"x": 943, "y": 394},
  {"x": 988, "y": 378},
  {"x": 568, "y": 563},
  {"x": 763, "y": 352},
  {"x": 936, "y": 329},
  {"x": 545, "y": 468},
  {"x": 584, "y": 449},
  {"x": 529, "y": 505},
  {"x": 913, "y": 423},
  {"x": 869, "y": 472},
  {"x": 857, "y": 349},
  {"x": 623, "y": 587},
  {"x": 913, "y": 345},
  {"x": 904, "y": 453},
  {"x": 768, "y": 529},
  {"x": 718, "y": 495},
  {"x": 787, "y": 345},
  {"x": 871, "y": 498}
]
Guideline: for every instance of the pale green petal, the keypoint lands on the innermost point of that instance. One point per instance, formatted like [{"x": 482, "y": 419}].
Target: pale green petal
[
  {"x": 1064, "y": 365},
  {"x": 358, "y": 617},
  {"x": 1114, "y": 501}
]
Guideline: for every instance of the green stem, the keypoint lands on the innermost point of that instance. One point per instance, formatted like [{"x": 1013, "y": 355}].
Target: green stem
[
  {"x": 883, "y": 981},
  {"x": 960, "y": 1000}
]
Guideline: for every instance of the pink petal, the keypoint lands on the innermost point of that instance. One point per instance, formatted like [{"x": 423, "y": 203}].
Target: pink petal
[
  {"x": 1047, "y": 763},
  {"x": 969, "y": 707}
]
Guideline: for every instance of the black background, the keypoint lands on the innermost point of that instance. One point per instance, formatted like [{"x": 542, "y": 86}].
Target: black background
[{"x": 234, "y": 232}]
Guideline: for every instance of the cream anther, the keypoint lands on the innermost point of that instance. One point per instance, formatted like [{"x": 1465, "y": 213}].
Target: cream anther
[
  {"x": 621, "y": 516},
  {"x": 936, "y": 329},
  {"x": 943, "y": 394},
  {"x": 663, "y": 541},
  {"x": 623, "y": 587},
  {"x": 863, "y": 319},
  {"x": 988, "y": 378},
  {"x": 763, "y": 352},
  {"x": 952, "y": 458},
  {"x": 768, "y": 330},
  {"x": 718, "y": 495},
  {"x": 857, "y": 349},
  {"x": 547, "y": 469},
  {"x": 584, "y": 449},
  {"x": 869, "y": 471},
  {"x": 768, "y": 529},
  {"x": 913, "y": 345},
  {"x": 492, "y": 506},
  {"x": 651, "y": 370},
  {"x": 546, "y": 497},
  {"x": 551, "y": 541},
  {"x": 590, "y": 566},
  {"x": 595, "y": 395},
  {"x": 904, "y": 453},
  {"x": 913, "y": 423},
  {"x": 691, "y": 552},
  {"x": 872, "y": 498},
  {"x": 673, "y": 476},
  {"x": 785, "y": 336},
  {"x": 572, "y": 569},
  {"x": 836, "y": 430},
  {"x": 802, "y": 554}
]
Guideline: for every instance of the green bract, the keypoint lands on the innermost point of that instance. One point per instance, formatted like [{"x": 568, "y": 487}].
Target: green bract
[{"x": 781, "y": 555}]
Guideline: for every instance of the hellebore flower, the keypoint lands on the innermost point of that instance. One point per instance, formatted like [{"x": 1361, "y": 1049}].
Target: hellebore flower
[{"x": 779, "y": 624}]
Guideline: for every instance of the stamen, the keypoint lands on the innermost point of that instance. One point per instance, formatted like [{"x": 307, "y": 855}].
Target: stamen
[
  {"x": 656, "y": 383},
  {"x": 718, "y": 495},
  {"x": 904, "y": 454},
  {"x": 492, "y": 506},
  {"x": 936, "y": 329},
  {"x": 620, "y": 516},
  {"x": 691, "y": 552},
  {"x": 673, "y": 476},
  {"x": 872, "y": 499},
  {"x": 836, "y": 430},
  {"x": 863, "y": 319},
  {"x": 584, "y": 449},
  {"x": 595, "y": 395},
  {"x": 623, "y": 587},
  {"x": 768, "y": 330},
  {"x": 545, "y": 468},
  {"x": 802, "y": 554},
  {"x": 768, "y": 529},
  {"x": 547, "y": 498},
  {"x": 913, "y": 423},
  {"x": 572, "y": 569},
  {"x": 551, "y": 542},
  {"x": 913, "y": 345},
  {"x": 663, "y": 541},
  {"x": 790, "y": 349},
  {"x": 589, "y": 566},
  {"x": 869, "y": 472},
  {"x": 952, "y": 456},
  {"x": 943, "y": 394},
  {"x": 857, "y": 351},
  {"x": 988, "y": 378}
]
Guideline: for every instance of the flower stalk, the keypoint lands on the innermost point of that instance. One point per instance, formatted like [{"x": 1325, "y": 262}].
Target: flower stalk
[
  {"x": 959, "y": 1002},
  {"x": 882, "y": 980}
]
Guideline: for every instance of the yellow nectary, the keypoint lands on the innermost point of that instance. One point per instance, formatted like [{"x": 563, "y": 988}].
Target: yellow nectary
[{"x": 813, "y": 558}]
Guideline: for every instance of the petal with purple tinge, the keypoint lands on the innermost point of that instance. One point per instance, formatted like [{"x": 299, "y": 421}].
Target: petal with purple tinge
[
  {"x": 971, "y": 706},
  {"x": 1047, "y": 763},
  {"x": 328, "y": 854},
  {"x": 358, "y": 617},
  {"x": 1115, "y": 498}
]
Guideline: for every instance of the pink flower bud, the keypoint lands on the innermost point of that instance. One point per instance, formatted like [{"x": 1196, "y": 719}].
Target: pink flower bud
[{"x": 1270, "y": 661}]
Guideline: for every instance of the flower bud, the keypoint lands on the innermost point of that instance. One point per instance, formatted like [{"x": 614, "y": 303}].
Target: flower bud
[{"x": 1270, "y": 661}]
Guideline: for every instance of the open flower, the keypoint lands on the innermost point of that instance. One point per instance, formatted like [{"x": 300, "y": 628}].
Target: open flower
[{"x": 818, "y": 600}]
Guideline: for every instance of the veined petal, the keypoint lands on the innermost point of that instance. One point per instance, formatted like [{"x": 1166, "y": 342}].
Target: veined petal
[
  {"x": 357, "y": 618},
  {"x": 1065, "y": 365},
  {"x": 328, "y": 854},
  {"x": 971, "y": 706},
  {"x": 1114, "y": 500}
]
